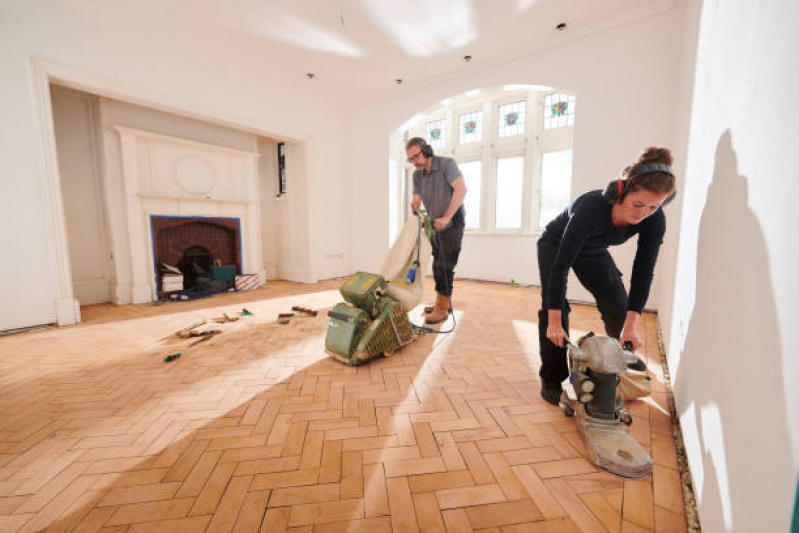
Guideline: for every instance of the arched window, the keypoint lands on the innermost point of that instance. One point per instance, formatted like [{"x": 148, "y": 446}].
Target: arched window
[{"x": 514, "y": 150}]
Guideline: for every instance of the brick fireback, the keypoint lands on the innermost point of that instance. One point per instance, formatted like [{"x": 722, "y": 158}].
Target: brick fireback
[{"x": 173, "y": 235}]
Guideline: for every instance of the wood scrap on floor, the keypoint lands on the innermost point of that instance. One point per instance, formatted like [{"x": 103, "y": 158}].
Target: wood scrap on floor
[
  {"x": 208, "y": 328},
  {"x": 304, "y": 310},
  {"x": 186, "y": 332},
  {"x": 203, "y": 338},
  {"x": 225, "y": 318}
]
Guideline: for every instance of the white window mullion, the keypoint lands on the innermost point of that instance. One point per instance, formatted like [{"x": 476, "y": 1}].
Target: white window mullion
[
  {"x": 491, "y": 189},
  {"x": 537, "y": 128},
  {"x": 489, "y": 136}
]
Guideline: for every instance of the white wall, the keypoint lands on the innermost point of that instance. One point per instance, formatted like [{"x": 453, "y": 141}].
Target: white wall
[
  {"x": 268, "y": 189},
  {"x": 75, "y": 120},
  {"x": 624, "y": 80},
  {"x": 119, "y": 58},
  {"x": 730, "y": 292}
]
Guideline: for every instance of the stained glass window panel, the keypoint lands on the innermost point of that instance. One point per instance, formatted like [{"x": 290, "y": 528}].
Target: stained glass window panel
[
  {"x": 437, "y": 133},
  {"x": 472, "y": 175},
  {"x": 556, "y": 182},
  {"x": 511, "y": 119},
  {"x": 510, "y": 178},
  {"x": 470, "y": 127},
  {"x": 558, "y": 110}
]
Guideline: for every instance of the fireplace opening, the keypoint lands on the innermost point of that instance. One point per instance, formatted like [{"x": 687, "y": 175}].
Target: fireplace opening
[
  {"x": 195, "y": 265},
  {"x": 195, "y": 255}
]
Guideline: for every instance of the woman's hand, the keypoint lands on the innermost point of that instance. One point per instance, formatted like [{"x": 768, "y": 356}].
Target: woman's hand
[
  {"x": 628, "y": 333},
  {"x": 555, "y": 332},
  {"x": 631, "y": 337}
]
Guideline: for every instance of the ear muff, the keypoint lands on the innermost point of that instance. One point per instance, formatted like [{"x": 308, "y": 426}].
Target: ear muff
[
  {"x": 615, "y": 191},
  {"x": 670, "y": 198},
  {"x": 427, "y": 150}
]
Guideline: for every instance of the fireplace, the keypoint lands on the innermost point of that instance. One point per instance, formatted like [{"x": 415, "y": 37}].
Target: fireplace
[
  {"x": 180, "y": 194},
  {"x": 195, "y": 245}
]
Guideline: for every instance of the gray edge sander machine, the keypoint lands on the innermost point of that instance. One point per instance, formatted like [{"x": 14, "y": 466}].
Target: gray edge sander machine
[
  {"x": 370, "y": 323},
  {"x": 604, "y": 375}
]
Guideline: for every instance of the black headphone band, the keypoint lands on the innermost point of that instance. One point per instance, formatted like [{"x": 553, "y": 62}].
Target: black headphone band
[{"x": 650, "y": 168}]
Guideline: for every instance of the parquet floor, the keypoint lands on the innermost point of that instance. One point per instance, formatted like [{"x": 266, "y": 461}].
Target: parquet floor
[{"x": 257, "y": 430}]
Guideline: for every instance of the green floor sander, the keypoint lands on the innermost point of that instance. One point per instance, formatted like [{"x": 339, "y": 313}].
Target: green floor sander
[
  {"x": 372, "y": 321},
  {"x": 368, "y": 324}
]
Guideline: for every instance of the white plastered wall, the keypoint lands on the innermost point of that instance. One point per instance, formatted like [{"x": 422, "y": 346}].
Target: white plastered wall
[
  {"x": 77, "y": 133},
  {"x": 729, "y": 294},
  {"x": 622, "y": 108},
  {"x": 81, "y": 45}
]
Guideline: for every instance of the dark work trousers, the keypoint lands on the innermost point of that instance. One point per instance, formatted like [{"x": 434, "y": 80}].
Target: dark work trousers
[
  {"x": 446, "y": 249},
  {"x": 597, "y": 273}
]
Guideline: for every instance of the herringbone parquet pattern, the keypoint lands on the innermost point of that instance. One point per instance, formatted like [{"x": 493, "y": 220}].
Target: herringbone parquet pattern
[{"x": 257, "y": 430}]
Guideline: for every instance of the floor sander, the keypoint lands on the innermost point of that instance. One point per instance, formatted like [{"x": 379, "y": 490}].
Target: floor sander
[
  {"x": 373, "y": 320},
  {"x": 604, "y": 374}
]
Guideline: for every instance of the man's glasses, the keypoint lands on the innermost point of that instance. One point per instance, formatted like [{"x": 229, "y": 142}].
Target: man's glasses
[{"x": 415, "y": 156}]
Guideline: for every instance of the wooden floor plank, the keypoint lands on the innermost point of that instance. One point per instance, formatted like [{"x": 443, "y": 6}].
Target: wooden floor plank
[{"x": 258, "y": 430}]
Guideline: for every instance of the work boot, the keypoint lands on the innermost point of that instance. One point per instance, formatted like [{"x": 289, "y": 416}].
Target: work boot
[
  {"x": 440, "y": 312},
  {"x": 430, "y": 308}
]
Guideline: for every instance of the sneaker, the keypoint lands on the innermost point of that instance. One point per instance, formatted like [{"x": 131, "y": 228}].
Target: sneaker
[{"x": 551, "y": 393}]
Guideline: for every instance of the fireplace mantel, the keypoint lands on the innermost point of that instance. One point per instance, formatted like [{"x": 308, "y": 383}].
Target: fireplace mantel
[{"x": 170, "y": 176}]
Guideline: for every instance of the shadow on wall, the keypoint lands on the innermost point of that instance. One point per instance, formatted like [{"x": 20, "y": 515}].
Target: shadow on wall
[{"x": 731, "y": 366}]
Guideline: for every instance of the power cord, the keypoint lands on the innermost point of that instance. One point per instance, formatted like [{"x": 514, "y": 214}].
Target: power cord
[{"x": 427, "y": 329}]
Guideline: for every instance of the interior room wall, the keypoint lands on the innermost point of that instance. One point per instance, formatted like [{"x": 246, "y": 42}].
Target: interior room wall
[
  {"x": 625, "y": 102},
  {"x": 146, "y": 65},
  {"x": 75, "y": 120},
  {"x": 731, "y": 311},
  {"x": 270, "y": 203}
]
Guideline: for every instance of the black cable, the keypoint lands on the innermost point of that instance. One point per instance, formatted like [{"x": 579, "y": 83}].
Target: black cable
[{"x": 428, "y": 329}]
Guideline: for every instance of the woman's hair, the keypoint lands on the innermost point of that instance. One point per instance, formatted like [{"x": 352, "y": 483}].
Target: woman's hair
[{"x": 658, "y": 182}]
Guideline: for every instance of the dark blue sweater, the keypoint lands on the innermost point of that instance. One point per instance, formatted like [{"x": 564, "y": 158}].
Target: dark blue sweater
[{"x": 585, "y": 228}]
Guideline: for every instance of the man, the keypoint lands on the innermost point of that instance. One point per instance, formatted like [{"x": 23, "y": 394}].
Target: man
[{"x": 438, "y": 183}]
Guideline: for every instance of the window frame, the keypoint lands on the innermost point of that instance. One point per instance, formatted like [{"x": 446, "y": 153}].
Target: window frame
[
  {"x": 436, "y": 118},
  {"x": 456, "y": 119},
  {"x": 480, "y": 160}
]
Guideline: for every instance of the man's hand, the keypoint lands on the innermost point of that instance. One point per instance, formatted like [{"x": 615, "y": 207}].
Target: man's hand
[
  {"x": 416, "y": 203},
  {"x": 441, "y": 223}
]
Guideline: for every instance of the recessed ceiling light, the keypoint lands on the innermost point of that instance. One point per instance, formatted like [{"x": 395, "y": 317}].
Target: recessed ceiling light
[
  {"x": 467, "y": 58},
  {"x": 399, "y": 81},
  {"x": 561, "y": 26}
]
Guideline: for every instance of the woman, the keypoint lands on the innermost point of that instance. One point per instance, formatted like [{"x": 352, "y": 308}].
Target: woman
[{"x": 579, "y": 239}]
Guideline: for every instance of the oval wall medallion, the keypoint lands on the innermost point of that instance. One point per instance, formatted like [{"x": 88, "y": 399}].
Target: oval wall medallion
[{"x": 194, "y": 175}]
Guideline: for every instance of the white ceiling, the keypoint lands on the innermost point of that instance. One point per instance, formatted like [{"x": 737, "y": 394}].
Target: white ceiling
[{"x": 358, "y": 48}]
